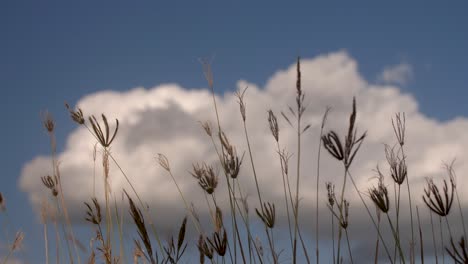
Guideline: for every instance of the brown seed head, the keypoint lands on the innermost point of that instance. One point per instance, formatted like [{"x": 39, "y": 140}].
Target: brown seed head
[
  {"x": 48, "y": 122},
  {"x": 330, "y": 193},
  {"x": 207, "y": 127},
  {"x": 203, "y": 247},
  {"x": 267, "y": 214},
  {"x": 432, "y": 197},
  {"x": 207, "y": 178},
  {"x": 399, "y": 127},
  {"x": 240, "y": 97},
  {"x": 231, "y": 162},
  {"x": 398, "y": 168},
  {"x": 164, "y": 162},
  {"x": 348, "y": 151},
  {"x": 93, "y": 215},
  {"x": 345, "y": 221},
  {"x": 76, "y": 116},
  {"x": 50, "y": 183},
  {"x": 219, "y": 242},
  {"x": 379, "y": 195},
  {"x": 273, "y": 122},
  {"x": 103, "y": 136},
  {"x": 18, "y": 241},
  {"x": 459, "y": 256}
]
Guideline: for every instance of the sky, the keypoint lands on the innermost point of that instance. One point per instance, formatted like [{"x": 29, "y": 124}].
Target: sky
[{"x": 139, "y": 62}]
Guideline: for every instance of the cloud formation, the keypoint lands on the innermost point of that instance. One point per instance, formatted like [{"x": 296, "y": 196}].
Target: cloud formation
[
  {"x": 397, "y": 74},
  {"x": 165, "y": 119}
]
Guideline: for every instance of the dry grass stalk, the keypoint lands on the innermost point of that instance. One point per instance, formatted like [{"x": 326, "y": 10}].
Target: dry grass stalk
[
  {"x": 434, "y": 200},
  {"x": 206, "y": 176},
  {"x": 219, "y": 242},
  {"x": 15, "y": 246},
  {"x": 139, "y": 221},
  {"x": 103, "y": 135},
  {"x": 173, "y": 253},
  {"x": 459, "y": 255}
]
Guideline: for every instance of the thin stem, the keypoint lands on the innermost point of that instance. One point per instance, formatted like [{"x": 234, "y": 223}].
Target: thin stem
[
  {"x": 296, "y": 205},
  {"x": 46, "y": 243},
  {"x": 340, "y": 228},
  {"x": 333, "y": 237},
  {"x": 410, "y": 207},
  {"x": 372, "y": 218},
  {"x": 433, "y": 238},
  {"x": 285, "y": 195},
  {"x": 442, "y": 239},
  {"x": 395, "y": 235},
  {"x": 420, "y": 237},
  {"x": 349, "y": 246}
]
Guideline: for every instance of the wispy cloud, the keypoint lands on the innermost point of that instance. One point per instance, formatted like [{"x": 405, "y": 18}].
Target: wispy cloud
[{"x": 397, "y": 74}]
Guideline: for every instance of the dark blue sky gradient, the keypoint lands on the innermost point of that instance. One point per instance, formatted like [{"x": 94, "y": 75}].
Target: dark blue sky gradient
[{"x": 56, "y": 51}]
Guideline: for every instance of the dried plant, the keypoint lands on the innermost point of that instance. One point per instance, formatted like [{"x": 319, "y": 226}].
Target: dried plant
[
  {"x": 173, "y": 253},
  {"x": 231, "y": 161},
  {"x": 399, "y": 127},
  {"x": 434, "y": 200},
  {"x": 398, "y": 168},
  {"x": 459, "y": 255},
  {"x": 164, "y": 162},
  {"x": 51, "y": 183},
  {"x": 76, "y": 115},
  {"x": 240, "y": 97},
  {"x": 48, "y": 121},
  {"x": 15, "y": 246},
  {"x": 379, "y": 195},
  {"x": 103, "y": 135},
  {"x": 93, "y": 215},
  {"x": 207, "y": 127},
  {"x": 139, "y": 221},
  {"x": 273, "y": 122},
  {"x": 267, "y": 214},
  {"x": 219, "y": 242},
  {"x": 206, "y": 176},
  {"x": 347, "y": 151},
  {"x": 204, "y": 249}
]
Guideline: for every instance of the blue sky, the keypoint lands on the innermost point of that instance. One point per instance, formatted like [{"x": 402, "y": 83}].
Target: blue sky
[{"x": 56, "y": 51}]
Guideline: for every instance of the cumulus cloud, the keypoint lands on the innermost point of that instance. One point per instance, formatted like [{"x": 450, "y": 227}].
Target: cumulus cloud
[
  {"x": 165, "y": 119},
  {"x": 397, "y": 74}
]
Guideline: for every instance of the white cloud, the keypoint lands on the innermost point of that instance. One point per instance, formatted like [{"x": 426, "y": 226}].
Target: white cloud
[
  {"x": 164, "y": 119},
  {"x": 397, "y": 74}
]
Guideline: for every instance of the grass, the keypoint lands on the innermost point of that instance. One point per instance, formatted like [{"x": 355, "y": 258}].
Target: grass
[{"x": 233, "y": 241}]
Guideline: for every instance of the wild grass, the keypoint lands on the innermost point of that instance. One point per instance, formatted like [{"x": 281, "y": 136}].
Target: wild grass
[{"x": 237, "y": 240}]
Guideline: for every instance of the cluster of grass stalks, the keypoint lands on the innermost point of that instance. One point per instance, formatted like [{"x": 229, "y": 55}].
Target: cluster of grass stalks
[{"x": 233, "y": 240}]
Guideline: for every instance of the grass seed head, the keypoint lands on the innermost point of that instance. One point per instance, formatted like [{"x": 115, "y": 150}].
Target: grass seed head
[
  {"x": 433, "y": 198},
  {"x": 273, "y": 122},
  {"x": 398, "y": 168},
  {"x": 379, "y": 195},
  {"x": 103, "y": 136},
  {"x": 219, "y": 242},
  {"x": 399, "y": 127},
  {"x": 51, "y": 184},
  {"x": 459, "y": 256},
  {"x": 203, "y": 248},
  {"x": 164, "y": 162},
  {"x": 76, "y": 115},
  {"x": 207, "y": 127},
  {"x": 48, "y": 122},
  {"x": 267, "y": 214},
  {"x": 330, "y": 193}
]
